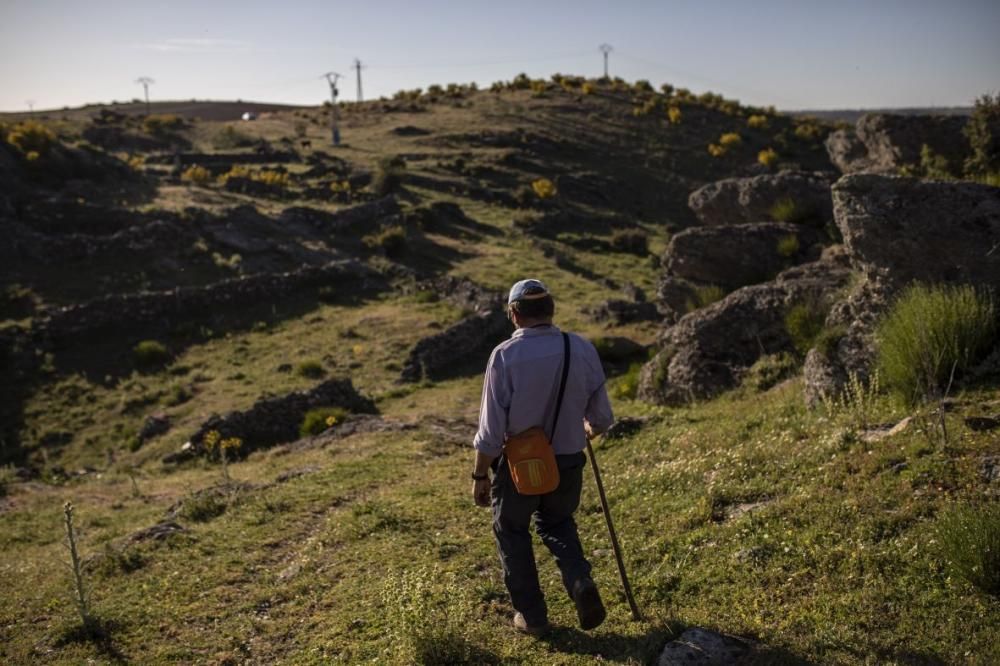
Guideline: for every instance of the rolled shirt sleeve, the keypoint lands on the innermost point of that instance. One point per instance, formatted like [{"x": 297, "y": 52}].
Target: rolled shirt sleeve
[
  {"x": 598, "y": 412},
  {"x": 493, "y": 411}
]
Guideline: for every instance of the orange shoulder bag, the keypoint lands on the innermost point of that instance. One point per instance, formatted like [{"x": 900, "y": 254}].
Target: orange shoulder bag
[{"x": 529, "y": 454}]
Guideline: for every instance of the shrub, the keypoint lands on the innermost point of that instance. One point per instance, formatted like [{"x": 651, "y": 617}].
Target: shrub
[
  {"x": 272, "y": 178},
  {"x": 31, "y": 136},
  {"x": 197, "y": 174},
  {"x": 230, "y": 137},
  {"x": 769, "y": 370},
  {"x": 730, "y": 140},
  {"x": 716, "y": 150},
  {"x": 667, "y": 89},
  {"x": 204, "y": 506},
  {"x": 931, "y": 331},
  {"x": 969, "y": 539},
  {"x": 150, "y": 353},
  {"x": 933, "y": 165},
  {"x": 983, "y": 133},
  {"x": 232, "y": 263},
  {"x": 7, "y": 477},
  {"x": 544, "y": 188},
  {"x": 674, "y": 115},
  {"x": 788, "y": 210},
  {"x": 588, "y": 88},
  {"x": 389, "y": 174},
  {"x": 808, "y": 130},
  {"x": 539, "y": 87},
  {"x": 757, "y": 121},
  {"x": 768, "y": 157},
  {"x": 857, "y": 401},
  {"x": 317, "y": 420},
  {"x": 828, "y": 339},
  {"x": 788, "y": 246},
  {"x": 310, "y": 369},
  {"x": 160, "y": 124},
  {"x": 626, "y": 387},
  {"x": 804, "y": 323},
  {"x": 391, "y": 240},
  {"x": 630, "y": 240},
  {"x": 704, "y": 296}
]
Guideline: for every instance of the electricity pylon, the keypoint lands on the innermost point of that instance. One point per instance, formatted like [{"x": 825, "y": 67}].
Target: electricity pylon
[
  {"x": 331, "y": 78},
  {"x": 605, "y": 49},
  {"x": 357, "y": 68},
  {"x": 145, "y": 81}
]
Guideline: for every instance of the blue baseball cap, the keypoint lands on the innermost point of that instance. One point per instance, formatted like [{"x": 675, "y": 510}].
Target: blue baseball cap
[{"x": 527, "y": 290}]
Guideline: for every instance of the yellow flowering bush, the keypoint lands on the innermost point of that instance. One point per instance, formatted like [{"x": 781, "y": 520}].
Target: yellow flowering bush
[
  {"x": 544, "y": 188},
  {"x": 730, "y": 139},
  {"x": 768, "y": 157},
  {"x": 197, "y": 174},
  {"x": 674, "y": 115},
  {"x": 757, "y": 121}
]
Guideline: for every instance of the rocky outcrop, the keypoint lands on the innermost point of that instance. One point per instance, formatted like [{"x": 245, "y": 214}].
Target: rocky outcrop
[
  {"x": 275, "y": 420},
  {"x": 738, "y": 255},
  {"x": 469, "y": 341},
  {"x": 804, "y": 195},
  {"x": 883, "y": 143},
  {"x": 897, "y": 231},
  {"x": 709, "y": 350}
]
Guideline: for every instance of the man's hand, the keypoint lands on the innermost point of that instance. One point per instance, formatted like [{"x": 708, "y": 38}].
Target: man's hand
[
  {"x": 589, "y": 430},
  {"x": 481, "y": 492}
]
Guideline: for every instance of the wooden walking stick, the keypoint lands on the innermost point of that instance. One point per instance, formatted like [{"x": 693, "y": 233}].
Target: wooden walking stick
[{"x": 614, "y": 537}]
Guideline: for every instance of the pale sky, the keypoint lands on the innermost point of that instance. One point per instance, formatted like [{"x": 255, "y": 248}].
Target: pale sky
[{"x": 794, "y": 54}]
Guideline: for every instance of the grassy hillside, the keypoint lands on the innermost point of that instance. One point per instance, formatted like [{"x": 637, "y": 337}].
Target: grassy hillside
[{"x": 750, "y": 515}]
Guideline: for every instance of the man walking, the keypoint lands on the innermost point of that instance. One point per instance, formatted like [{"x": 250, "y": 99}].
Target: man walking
[{"x": 519, "y": 392}]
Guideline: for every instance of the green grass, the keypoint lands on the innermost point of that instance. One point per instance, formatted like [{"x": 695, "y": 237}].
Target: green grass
[
  {"x": 970, "y": 542},
  {"x": 932, "y": 332}
]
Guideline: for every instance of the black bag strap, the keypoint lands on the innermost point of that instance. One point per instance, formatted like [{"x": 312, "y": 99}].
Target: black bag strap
[{"x": 562, "y": 384}]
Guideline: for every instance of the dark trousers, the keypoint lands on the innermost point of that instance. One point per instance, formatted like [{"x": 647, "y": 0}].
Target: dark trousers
[{"x": 553, "y": 514}]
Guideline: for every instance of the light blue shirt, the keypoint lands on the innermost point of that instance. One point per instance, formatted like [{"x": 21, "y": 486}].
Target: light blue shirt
[{"x": 522, "y": 383}]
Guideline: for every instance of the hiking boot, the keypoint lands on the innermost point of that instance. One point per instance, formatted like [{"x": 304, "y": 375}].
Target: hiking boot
[
  {"x": 589, "y": 608},
  {"x": 522, "y": 625}
]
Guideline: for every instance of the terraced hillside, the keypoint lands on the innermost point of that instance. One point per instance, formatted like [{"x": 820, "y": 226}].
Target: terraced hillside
[{"x": 171, "y": 278}]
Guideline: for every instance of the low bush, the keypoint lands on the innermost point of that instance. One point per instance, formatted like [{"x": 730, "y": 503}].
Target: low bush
[
  {"x": 161, "y": 124},
  {"x": 983, "y": 133},
  {"x": 389, "y": 173},
  {"x": 150, "y": 353},
  {"x": 31, "y": 136},
  {"x": 310, "y": 369},
  {"x": 630, "y": 240},
  {"x": 757, "y": 121},
  {"x": 230, "y": 137},
  {"x": 931, "y": 332},
  {"x": 705, "y": 296},
  {"x": 788, "y": 246},
  {"x": 391, "y": 241},
  {"x": 197, "y": 174},
  {"x": 769, "y": 370},
  {"x": 715, "y": 150},
  {"x": 969, "y": 538},
  {"x": 804, "y": 323},
  {"x": 730, "y": 140},
  {"x": 828, "y": 339},
  {"x": 317, "y": 420},
  {"x": 789, "y": 210},
  {"x": 808, "y": 130},
  {"x": 204, "y": 506},
  {"x": 768, "y": 157},
  {"x": 588, "y": 88},
  {"x": 674, "y": 115},
  {"x": 626, "y": 387},
  {"x": 544, "y": 188}
]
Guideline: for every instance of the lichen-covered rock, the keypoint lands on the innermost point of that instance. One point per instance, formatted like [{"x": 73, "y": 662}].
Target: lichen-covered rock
[
  {"x": 883, "y": 142},
  {"x": 740, "y": 200},
  {"x": 701, "y": 647},
  {"x": 465, "y": 344},
  {"x": 897, "y": 231},
  {"x": 738, "y": 255},
  {"x": 711, "y": 349}
]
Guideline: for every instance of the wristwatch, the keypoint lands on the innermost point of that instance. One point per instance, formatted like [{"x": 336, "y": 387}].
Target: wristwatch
[{"x": 484, "y": 477}]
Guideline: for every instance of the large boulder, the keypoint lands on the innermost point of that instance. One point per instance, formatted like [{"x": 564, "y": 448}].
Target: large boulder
[
  {"x": 738, "y": 255},
  {"x": 897, "y": 231},
  {"x": 709, "y": 350},
  {"x": 883, "y": 142},
  {"x": 739, "y": 200}
]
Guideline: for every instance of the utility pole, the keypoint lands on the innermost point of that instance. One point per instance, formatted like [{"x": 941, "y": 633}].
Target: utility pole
[
  {"x": 605, "y": 49},
  {"x": 331, "y": 78},
  {"x": 145, "y": 81},
  {"x": 357, "y": 68},
  {"x": 31, "y": 107}
]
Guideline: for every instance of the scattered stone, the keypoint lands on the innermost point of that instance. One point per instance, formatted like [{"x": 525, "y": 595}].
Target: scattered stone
[
  {"x": 157, "y": 532},
  {"x": 625, "y": 427},
  {"x": 702, "y": 647},
  {"x": 989, "y": 470},
  {"x": 884, "y": 431},
  {"x": 154, "y": 426},
  {"x": 288, "y": 475},
  {"x": 982, "y": 423},
  {"x": 744, "y": 200},
  {"x": 183, "y": 454},
  {"x": 618, "y": 312}
]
